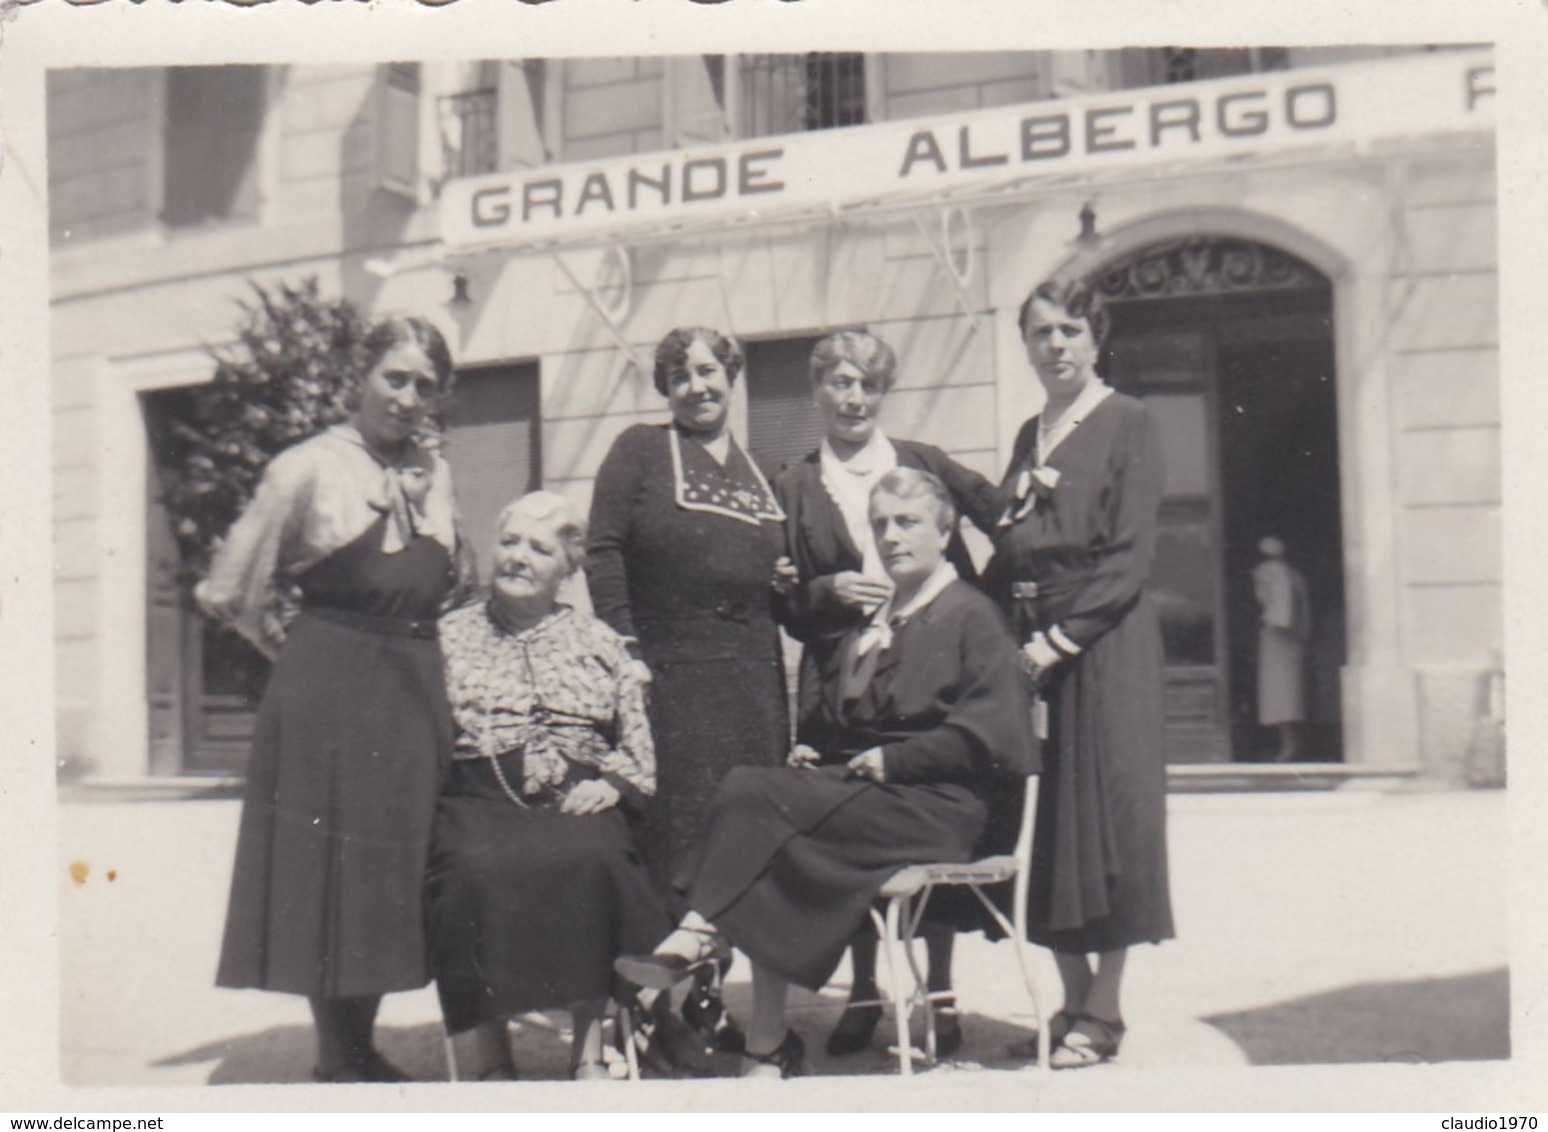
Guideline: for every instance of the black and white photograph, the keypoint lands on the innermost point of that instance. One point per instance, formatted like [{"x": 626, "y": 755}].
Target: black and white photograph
[{"x": 562, "y": 571}]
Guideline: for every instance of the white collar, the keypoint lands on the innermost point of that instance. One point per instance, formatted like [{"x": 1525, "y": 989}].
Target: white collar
[
  {"x": 851, "y": 491},
  {"x": 875, "y": 456},
  {"x": 879, "y": 631}
]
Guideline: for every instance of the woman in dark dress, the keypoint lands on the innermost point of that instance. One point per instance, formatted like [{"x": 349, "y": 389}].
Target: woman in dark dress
[
  {"x": 1073, "y": 551},
  {"x": 535, "y": 884},
  {"x": 353, "y": 734},
  {"x": 924, "y": 731},
  {"x": 842, "y": 585},
  {"x": 685, "y": 534}
]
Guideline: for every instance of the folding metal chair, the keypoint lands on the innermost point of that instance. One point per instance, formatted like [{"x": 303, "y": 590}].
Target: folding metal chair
[{"x": 907, "y": 896}]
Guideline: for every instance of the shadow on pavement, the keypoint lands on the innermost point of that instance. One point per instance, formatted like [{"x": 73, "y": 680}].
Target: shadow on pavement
[
  {"x": 1465, "y": 1018},
  {"x": 284, "y": 1055}
]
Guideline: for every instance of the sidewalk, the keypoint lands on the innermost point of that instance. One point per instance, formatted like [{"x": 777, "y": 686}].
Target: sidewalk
[{"x": 1351, "y": 926}]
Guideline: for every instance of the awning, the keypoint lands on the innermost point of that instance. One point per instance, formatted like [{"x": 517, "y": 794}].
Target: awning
[{"x": 1344, "y": 114}]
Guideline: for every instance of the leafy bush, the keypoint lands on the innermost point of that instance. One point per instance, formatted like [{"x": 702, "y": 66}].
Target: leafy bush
[{"x": 286, "y": 377}]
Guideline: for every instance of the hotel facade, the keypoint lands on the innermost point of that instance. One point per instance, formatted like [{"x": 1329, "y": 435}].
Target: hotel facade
[{"x": 1298, "y": 246}]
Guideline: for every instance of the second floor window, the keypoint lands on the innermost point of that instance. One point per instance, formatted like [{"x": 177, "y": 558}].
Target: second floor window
[
  {"x": 786, "y": 94},
  {"x": 469, "y": 121},
  {"x": 1158, "y": 66},
  {"x": 214, "y": 117},
  {"x": 493, "y": 121}
]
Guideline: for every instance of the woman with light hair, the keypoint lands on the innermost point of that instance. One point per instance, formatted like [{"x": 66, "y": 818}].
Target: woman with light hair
[
  {"x": 843, "y": 585},
  {"x": 535, "y": 882},
  {"x": 923, "y": 734}
]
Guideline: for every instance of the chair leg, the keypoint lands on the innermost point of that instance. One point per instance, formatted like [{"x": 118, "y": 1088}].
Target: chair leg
[
  {"x": 902, "y": 1002},
  {"x": 623, "y": 1020},
  {"x": 451, "y": 1059},
  {"x": 910, "y": 921},
  {"x": 1020, "y": 947}
]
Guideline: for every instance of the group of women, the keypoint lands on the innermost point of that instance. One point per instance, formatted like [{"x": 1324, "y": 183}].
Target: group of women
[{"x": 538, "y": 807}]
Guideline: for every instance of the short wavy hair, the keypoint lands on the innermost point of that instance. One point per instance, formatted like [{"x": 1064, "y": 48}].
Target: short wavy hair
[
  {"x": 387, "y": 334},
  {"x": 1074, "y": 296},
  {"x": 862, "y": 349},
  {"x": 672, "y": 353},
  {"x": 914, "y": 483},
  {"x": 556, "y": 513}
]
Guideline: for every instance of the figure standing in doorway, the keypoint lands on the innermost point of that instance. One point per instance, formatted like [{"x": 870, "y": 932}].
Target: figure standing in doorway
[{"x": 1284, "y": 631}]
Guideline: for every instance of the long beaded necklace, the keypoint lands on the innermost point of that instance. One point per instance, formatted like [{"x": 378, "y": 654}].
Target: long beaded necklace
[{"x": 486, "y": 741}]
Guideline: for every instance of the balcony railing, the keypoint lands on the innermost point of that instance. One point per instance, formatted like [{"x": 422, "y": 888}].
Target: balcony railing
[
  {"x": 470, "y": 132},
  {"x": 783, "y": 94}
]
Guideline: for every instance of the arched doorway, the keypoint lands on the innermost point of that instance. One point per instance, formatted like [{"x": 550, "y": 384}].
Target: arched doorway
[{"x": 1230, "y": 342}]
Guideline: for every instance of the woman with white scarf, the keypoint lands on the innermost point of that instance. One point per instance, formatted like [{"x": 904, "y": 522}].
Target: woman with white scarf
[{"x": 842, "y": 583}]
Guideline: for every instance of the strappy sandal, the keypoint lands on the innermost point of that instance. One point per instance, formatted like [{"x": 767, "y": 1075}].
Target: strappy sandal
[
  {"x": 1060, "y": 1023},
  {"x": 786, "y": 1060},
  {"x": 663, "y": 971},
  {"x": 1091, "y": 1041}
]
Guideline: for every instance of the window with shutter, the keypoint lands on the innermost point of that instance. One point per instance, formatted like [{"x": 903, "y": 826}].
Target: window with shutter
[
  {"x": 782, "y": 423},
  {"x": 214, "y": 118},
  {"x": 397, "y": 135},
  {"x": 697, "y": 112},
  {"x": 522, "y": 99}
]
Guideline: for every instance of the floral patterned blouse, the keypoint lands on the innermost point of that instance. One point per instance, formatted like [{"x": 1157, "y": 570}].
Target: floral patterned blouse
[{"x": 560, "y": 692}]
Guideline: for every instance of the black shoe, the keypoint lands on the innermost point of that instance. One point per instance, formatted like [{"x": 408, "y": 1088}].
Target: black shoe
[
  {"x": 706, "y": 1012},
  {"x": 370, "y": 1069},
  {"x": 667, "y": 1045},
  {"x": 788, "y": 1059},
  {"x": 948, "y": 1030},
  {"x": 853, "y": 1030}
]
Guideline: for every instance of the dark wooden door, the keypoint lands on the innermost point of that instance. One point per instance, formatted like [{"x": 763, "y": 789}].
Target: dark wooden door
[{"x": 1241, "y": 387}]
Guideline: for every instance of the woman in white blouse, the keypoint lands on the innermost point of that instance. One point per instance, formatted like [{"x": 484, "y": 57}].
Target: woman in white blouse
[{"x": 354, "y": 732}]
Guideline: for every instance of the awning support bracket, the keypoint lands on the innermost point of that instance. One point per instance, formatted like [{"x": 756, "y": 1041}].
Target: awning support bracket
[
  {"x": 939, "y": 243},
  {"x": 611, "y": 316}
]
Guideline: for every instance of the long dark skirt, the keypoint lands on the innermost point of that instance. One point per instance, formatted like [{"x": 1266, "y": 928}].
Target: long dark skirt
[
  {"x": 793, "y": 859},
  {"x": 1099, "y": 871},
  {"x": 348, "y": 755},
  {"x": 529, "y": 908},
  {"x": 708, "y": 717}
]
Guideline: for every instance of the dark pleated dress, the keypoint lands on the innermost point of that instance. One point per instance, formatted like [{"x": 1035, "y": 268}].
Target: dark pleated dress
[
  {"x": 694, "y": 587},
  {"x": 529, "y": 908},
  {"x": 793, "y": 859},
  {"x": 1099, "y": 876},
  {"x": 352, "y": 740}
]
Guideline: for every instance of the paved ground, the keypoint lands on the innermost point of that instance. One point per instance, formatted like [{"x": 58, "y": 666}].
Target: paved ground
[{"x": 1346, "y": 927}]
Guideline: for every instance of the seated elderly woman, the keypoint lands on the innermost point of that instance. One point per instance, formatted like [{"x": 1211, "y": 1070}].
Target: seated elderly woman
[
  {"x": 926, "y": 733},
  {"x": 535, "y": 882}
]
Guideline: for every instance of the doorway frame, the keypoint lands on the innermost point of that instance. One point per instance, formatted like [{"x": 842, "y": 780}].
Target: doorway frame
[{"x": 1377, "y": 691}]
